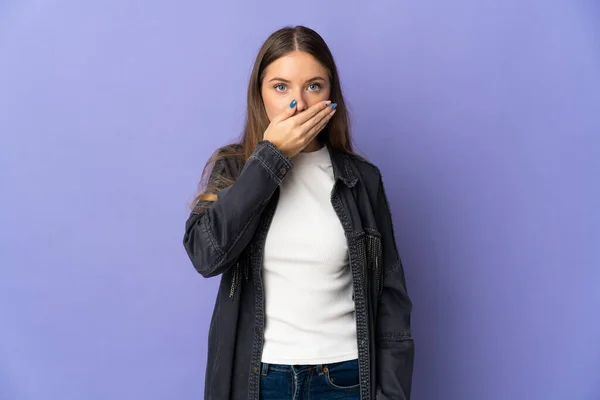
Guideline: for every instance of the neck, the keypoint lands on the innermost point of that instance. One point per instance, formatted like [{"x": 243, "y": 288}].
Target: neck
[{"x": 314, "y": 145}]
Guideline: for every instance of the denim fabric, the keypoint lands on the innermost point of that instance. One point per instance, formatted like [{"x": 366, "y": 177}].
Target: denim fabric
[
  {"x": 226, "y": 238},
  {"x": 336, "y": 381}
]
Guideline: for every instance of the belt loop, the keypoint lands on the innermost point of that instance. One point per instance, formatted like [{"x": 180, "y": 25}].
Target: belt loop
[
  {"x": 265, "y": 369},
  {"x": 320, "y": 369}
]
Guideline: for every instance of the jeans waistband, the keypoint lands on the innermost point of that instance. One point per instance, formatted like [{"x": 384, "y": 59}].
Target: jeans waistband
[{"x": 296, "y": 369}]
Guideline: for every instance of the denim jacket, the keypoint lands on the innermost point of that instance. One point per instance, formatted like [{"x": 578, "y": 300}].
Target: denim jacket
[{"x": 226, "y": 238}]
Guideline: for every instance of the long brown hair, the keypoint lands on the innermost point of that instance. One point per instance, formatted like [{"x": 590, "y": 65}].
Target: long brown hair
[{"x": 281, "y": 42}]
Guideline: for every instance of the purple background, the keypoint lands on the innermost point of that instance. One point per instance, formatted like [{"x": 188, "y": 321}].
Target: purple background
[{"x": 484, "y": 117}]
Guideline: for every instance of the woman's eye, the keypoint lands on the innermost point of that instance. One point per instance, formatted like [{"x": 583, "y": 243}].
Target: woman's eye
[
  {"x": 280, "y": 88},
  {"x": 314, "y": 86}
]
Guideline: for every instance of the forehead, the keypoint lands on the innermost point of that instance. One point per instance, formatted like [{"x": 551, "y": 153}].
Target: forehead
[{"x": 297, "y": 65}]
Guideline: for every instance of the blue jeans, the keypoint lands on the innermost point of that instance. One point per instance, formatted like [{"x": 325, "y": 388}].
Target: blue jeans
[{"x": 337, "y": 381}]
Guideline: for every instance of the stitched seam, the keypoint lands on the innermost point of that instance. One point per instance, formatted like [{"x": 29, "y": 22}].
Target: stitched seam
[
  {"x": 211, "y": 239},
  {"x": 268, "y": 168},
  {"x": 309, "y": 381},
  {"x": 350, "y": 179},
  {"x": 395, "y": 267},
  {"x": 356, "y": 234},
  {"x": 277, "y": 152},
  {"x": 222, "y": 254},
  {"x": 244, "y": 228},
  {"x": 362, "y": 329},
  {"x": 344, "y": 388},
  {"x": 258, "y": 339},
  {"x": 373, "y": 232},
  {"x": 395, "y": 337}
]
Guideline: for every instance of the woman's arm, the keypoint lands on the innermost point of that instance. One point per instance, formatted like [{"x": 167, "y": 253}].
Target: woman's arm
[
  {"x": 395, "y": 347},
  {"x": 217, "y": 235}
]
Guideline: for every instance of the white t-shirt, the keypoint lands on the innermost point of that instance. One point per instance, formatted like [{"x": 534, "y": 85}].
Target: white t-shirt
[{"x": 310, "y": 313}]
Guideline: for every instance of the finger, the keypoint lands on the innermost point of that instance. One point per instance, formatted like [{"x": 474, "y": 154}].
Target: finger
[
  {"x": 324, "y": 113},
  {"x": 288, "y": 112},
  {"x": 311, "y": 112},
  {"x": 314, "y": 131}
]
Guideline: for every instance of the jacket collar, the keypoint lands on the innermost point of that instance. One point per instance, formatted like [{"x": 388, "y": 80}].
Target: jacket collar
[{"x": 342, "y": 167}]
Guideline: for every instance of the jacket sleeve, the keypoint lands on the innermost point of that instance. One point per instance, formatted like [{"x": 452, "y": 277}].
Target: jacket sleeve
[
  {"x": 216, "y": 233},
  {"x": 395, "y": 347}
]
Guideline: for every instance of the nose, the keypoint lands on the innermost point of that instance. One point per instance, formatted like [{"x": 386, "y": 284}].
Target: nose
[{"x": 300, "y": 100}]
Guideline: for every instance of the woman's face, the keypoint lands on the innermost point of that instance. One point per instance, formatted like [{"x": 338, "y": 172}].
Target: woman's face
[{"x": 295, "y": 76}]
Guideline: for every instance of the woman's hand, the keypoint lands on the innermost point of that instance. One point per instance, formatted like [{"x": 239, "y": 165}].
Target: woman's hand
[{"x": 292, "y": 133}]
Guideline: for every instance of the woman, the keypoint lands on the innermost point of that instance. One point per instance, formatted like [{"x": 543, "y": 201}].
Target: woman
[{"x": 312, "y": 301}]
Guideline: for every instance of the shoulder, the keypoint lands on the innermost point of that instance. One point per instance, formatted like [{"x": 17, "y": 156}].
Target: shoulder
[
  {"x": 364, "y": 165},
  {"x": 367, "y": 170},
  {"x": 368, "y": 174}
]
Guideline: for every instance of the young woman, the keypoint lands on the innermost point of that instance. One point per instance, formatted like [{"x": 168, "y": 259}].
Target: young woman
[{"x": 312, "y": 301}]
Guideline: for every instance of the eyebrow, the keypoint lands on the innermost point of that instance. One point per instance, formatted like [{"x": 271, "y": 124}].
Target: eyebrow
[{"x": 316, "y": 78}]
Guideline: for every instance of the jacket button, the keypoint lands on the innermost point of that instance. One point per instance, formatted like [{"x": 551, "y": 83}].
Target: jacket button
[
  {"x": 255, "y": 370},
  {"x": 282, "y": 171}
]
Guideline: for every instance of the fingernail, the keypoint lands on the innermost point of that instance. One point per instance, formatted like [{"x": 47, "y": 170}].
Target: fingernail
[
  {"x": 327, "y": 103},
  {"x": 333, "y": 106},
  {"x": 293, "y": 103}
]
